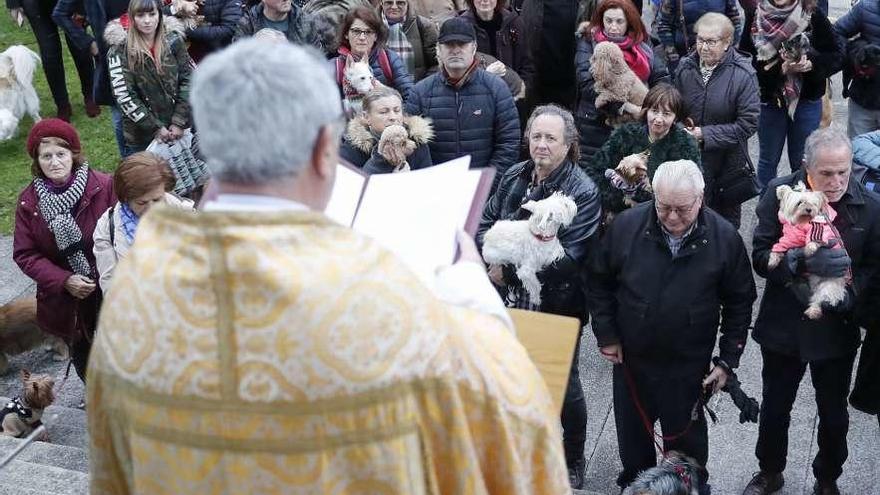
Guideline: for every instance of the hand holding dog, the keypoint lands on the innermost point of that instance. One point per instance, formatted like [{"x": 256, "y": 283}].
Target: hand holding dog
[
  {"x": 801, "y": 66},
  {"x": 78, "y": 286},
  {"x": 467, "y": 249},
  {"x": 828, "y": 262}
]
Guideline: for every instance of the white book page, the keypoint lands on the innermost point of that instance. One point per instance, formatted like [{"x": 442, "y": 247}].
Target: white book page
[
  {"x": 417, "y": 214},
  {"x": 346, "y": 194}
]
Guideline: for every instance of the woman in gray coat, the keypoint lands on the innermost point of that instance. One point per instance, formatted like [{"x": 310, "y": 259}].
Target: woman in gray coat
[{"x": 720, "y": 91}]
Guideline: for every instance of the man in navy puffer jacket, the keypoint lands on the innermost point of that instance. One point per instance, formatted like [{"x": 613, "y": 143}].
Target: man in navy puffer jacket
[{"x": 472, "y": 110}]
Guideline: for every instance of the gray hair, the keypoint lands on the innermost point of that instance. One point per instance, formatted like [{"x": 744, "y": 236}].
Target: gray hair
[
  {"x": 259, "y": 107},
  {"x": 664, "y": 480},
  {"x": 570, "y": 131},
  {"x": 716, "y": 20},
  {"x": 679, "y": 175},
  {"x": 270, "y": 34},
  {"x": 825, "y": 138}
]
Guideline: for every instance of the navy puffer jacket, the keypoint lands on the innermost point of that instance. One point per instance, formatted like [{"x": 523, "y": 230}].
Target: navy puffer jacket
[
  {"x": 479, "y": 119},
  {"x": 862, "y": 20}
]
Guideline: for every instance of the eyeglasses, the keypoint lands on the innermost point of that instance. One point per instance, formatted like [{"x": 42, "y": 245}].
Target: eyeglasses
[
  {"x": 393, "y": 3},
  {"x": 708, "y": 42},
  {"x": 680, "y": 211},
  {"x": 361, "y": 33}
]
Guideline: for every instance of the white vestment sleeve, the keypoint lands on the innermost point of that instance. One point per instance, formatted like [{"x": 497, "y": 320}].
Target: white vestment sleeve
[{"x": 466, "y": 284}]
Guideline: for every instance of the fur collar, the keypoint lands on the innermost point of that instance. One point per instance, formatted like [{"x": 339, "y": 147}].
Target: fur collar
[
  {"x": 115, "y": 34},
  {"x": 359, "y": 135}
]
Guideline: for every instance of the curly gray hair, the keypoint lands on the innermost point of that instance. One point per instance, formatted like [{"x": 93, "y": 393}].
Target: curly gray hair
[{"x": 259, "y": 107}]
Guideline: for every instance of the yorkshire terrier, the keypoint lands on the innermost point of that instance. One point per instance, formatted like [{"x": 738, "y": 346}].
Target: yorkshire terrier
[
  {"x": 23, "y": 414},
  {"x": 806, "y": 220}
]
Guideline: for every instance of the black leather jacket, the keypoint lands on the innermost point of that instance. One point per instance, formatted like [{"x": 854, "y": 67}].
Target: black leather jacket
[{"x": 562, "y": 289}]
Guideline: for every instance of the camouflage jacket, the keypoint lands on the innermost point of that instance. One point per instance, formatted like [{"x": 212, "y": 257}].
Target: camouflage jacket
[{"x": 149, "y": 100}]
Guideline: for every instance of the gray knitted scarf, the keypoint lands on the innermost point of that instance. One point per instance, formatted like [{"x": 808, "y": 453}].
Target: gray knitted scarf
[{"x": 57, "y": 209}]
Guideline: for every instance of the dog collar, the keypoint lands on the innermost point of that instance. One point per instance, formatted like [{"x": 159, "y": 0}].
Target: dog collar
[{"x": 544, "y": 238}]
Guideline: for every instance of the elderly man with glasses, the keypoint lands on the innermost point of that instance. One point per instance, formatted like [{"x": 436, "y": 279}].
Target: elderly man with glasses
[
  {"x": 666, "y": 272},
  {"x": 411, "y": 36}
]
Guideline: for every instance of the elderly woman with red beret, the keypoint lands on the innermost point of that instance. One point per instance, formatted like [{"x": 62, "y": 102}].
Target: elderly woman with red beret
[{"x": 54, "y": 222}]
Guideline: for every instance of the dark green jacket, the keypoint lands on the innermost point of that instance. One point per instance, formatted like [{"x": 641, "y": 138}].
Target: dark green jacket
[
  {"x": 633, "y": 138},
  {"x": 147, "y": 99}
]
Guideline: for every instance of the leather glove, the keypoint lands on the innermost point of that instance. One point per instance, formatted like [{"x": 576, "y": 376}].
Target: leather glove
[
  {"x": 827, "y": 262},
  {"x": 794, "y": 260}
]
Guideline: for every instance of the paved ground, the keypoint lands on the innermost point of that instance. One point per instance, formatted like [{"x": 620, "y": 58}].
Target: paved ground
[{"x": 731, "y": 462}]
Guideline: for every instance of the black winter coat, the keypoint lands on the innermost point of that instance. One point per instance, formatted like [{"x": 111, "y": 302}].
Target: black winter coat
[
  {"x": 726, "y": 109},
  {"x": 862, "y": 20},
  {"x": 478, "y": 119},
  {"x": 221, "y": 19},
  {"x": 665, "y": 309},
  {"x": 590, "y": 120},
  {"x": 511, "y": 43},
  {"x": 781, "y": 325},
  {"x": 825, "y": 54},
  {"x": 562, "y": 288},
  {"x": 303, "y": 29}
]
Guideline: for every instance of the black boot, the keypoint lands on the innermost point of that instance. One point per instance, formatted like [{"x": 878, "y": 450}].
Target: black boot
[{"x": 764, "y": 484}]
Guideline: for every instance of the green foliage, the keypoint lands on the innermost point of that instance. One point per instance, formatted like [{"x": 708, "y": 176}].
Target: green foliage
[{"x": 96, "y": 134}]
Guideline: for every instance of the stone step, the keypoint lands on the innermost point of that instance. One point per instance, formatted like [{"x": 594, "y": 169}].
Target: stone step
[
  {"x": 60, "y": 456},
  {"x": 66, "y": 425},
  {"x": 22, "y": 477}
]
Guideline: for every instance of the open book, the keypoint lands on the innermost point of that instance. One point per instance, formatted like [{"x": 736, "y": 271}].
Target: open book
[{"x": 414, "y": 214}]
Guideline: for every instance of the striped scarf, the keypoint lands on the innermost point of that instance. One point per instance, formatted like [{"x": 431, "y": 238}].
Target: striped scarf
[
  {"x": 399, "y": 43},
  {"x": 57, "y": 210}
]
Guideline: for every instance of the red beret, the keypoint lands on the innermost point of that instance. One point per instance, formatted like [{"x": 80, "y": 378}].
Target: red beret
[{"x": 52, "y": 128}]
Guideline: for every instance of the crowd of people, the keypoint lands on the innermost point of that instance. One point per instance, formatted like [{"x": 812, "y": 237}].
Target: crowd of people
[{"x": 420, "y": 382}]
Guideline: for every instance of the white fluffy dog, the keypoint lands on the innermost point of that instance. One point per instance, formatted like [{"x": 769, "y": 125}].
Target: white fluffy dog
[
  {"x": 806, "y": 220},
  {"x": 17, "y": 94},
  {"x": 531, "y": 244}
]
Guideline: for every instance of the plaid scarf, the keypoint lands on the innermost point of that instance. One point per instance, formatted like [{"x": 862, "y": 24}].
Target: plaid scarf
[
  {"x": 57, "y": 210},
  {"x": 773, "y": 25},
  {"x": 399, "y": 43}
]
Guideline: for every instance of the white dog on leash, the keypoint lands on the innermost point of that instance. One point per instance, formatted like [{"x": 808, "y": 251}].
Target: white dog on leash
[
  {"x": 17, "y": 94},
  {"x": 531, "y": 244}
]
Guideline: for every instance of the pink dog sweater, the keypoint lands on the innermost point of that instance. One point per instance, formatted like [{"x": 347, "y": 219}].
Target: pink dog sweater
[{"x": 796, "y": 236}]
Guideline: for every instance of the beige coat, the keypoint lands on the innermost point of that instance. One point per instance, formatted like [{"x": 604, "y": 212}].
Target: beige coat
[{"x": 108, "y": 253}]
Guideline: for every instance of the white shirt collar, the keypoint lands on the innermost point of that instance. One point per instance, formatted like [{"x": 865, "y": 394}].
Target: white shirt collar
[{"x": 252, "y": 202}]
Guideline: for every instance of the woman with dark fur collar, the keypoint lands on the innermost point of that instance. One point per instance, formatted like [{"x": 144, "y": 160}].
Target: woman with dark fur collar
[{"x": 383, "y": 107}]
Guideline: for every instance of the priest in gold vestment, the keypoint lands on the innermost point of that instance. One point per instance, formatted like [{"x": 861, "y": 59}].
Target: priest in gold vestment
[{"x": 257, "y": 347}]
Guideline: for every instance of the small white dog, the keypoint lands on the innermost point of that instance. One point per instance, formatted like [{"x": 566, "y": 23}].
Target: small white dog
[
  {"x": 531, "y": 244},
  {"x": 17, "y": 94},
  {"x": 357, "y": 81},
  {"x": 806, "y": 220}
]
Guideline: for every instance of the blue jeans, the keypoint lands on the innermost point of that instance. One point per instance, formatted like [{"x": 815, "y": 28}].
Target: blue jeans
[
  {"x": 130, "y": 149},
  {"x": 775, "y": 127},
  {"x": 116, "y": 116}
]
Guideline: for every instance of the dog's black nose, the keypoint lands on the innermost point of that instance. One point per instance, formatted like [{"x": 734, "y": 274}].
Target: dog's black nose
[{"x": 809, "y": 210}]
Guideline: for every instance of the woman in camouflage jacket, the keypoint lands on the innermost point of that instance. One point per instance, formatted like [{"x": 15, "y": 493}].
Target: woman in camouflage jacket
[{"x": 149, "y": 74}]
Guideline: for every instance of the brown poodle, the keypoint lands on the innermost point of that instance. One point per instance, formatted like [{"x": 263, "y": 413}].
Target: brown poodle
[
  {"x": 395, "y": 146},
  {"x": 614, "y": 80}
]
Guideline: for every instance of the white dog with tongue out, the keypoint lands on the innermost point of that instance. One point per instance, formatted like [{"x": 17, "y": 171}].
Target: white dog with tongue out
[{"x": 531, "y": 244}]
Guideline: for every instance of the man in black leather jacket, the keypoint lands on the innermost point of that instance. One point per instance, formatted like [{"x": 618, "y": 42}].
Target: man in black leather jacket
[{"x": 553, "y": 147}]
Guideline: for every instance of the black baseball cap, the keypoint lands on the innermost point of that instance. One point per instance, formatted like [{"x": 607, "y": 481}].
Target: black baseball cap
[{"x": 457, "y": 30}]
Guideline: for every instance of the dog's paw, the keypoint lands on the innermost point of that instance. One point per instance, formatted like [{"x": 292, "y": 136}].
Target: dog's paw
[
  {"x": 811, "y": 248},
  {"x": 813, "y": 312},
  {"x": 775, "y": 259}
]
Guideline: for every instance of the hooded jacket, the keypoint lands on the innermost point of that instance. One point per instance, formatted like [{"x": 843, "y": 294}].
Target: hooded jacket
[
  {"x": 150, "y": 100},
  {"x": 359, "y": 145},
  {"x": 726, "y": 109}
]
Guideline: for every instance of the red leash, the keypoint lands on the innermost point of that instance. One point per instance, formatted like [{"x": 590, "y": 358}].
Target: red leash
[{"x": 659, "y": 440}]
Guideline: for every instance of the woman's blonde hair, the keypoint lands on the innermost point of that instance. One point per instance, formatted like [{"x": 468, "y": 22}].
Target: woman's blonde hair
[{"x": 137, "y": 47}]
